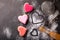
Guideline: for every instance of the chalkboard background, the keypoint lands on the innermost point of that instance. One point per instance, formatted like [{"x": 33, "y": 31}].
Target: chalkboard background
[{"x": 9, "y": 12}]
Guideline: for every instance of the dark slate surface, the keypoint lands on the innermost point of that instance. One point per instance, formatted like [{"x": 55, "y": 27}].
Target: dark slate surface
[{"x": 9, "y": 12}]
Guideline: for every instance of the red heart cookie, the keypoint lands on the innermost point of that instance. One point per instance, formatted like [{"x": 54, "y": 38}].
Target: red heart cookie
[
  {"x": 22, "y": 30},
  {"x": 23, "y": 19},
  {"x": 28, "y": 7}
]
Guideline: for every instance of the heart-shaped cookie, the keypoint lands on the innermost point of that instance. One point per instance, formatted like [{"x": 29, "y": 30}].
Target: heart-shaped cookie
[
  {"x": 22, "y": 30},
  {"x": 23, "y": 19},
  {"x": 27, "y": 7}
]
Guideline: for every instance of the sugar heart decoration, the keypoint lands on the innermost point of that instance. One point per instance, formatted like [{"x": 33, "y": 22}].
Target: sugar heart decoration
[
  {"x": 27, "y": 7},
  {"x": 22, "y": 30},
  {"x": 23, "y": 19}
]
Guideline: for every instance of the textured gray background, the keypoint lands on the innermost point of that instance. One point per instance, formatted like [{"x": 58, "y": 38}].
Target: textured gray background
[{"x": 9, "y": 12}]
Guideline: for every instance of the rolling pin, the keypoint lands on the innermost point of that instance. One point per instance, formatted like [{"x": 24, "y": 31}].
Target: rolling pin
[{"x": 52, "y": 34}]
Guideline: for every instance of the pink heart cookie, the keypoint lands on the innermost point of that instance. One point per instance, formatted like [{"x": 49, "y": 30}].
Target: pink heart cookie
[
  {"x": 28, "y": 7},
  {"x": 23, "y": 19}
]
